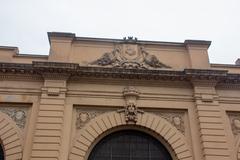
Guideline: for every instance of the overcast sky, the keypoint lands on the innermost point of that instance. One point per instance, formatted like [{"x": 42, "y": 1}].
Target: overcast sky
[{"x": 25, "y": 23}]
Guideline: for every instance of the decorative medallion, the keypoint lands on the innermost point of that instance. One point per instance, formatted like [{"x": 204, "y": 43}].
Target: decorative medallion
[
  {"x": 84, "y": 115},
  {"x": 130, "y": 56},
  {"x": 18, "y": 114},
  {"x": 130, "y": 110},
  {"x": 174, "y": 117},
  {"x": 234, "y": 118}
]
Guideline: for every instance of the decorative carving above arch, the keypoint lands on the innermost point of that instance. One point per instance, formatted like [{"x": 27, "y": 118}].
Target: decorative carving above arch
[
  {"x": 234, "y": 118},
  {"x": 18, "y": 114},
  {"x": 175, "y": 117},
  {"x": 129, "y": 56},
  {"x": 130, "y": 110},
  {"x": 10, "y": 137},
  {"x": 84, "y": 115},
  {"x": 103, "y": 123}
]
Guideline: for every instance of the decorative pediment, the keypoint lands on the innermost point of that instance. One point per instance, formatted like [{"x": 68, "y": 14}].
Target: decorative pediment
[{"x": 130, "y": 56}]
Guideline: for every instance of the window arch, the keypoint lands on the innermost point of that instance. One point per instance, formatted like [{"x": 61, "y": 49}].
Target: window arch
[
  {"x": 107, "y": 122},
  {"x": 10, "y": 138},
  {"x": 129, "y": 145}
]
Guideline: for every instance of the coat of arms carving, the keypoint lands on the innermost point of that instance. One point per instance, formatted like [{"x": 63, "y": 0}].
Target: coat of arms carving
[{"x": 130, "y": 56}]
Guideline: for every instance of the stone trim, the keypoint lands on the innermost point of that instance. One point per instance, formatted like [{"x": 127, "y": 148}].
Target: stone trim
[
  {"x": 103, "y": 123},
  {"x": 127, "y": 40},
  {"x": 11, "y": 138},
  {"x": 197, "y": 42},
  {"x": 234, "y": 118},
  {"x": 237, "y": 148},
  {"x": 74, "y": 71}
]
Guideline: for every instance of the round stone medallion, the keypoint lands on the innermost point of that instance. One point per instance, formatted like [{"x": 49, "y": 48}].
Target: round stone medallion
[
  {"x": 19, "y": 115},
  {"x": 236, "y": 123},
  {"x": 177, "y": 120},
  {"x": 83, "y": 116}
]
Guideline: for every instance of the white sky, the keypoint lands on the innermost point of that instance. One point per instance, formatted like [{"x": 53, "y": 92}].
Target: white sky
[{"x": 25, "y": 23}]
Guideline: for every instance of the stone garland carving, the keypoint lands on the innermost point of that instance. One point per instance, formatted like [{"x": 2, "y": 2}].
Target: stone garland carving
[
  {"x": 85, "y": 115},
  {"x": 234, "y": 118},
  {"x": 129, "y": 56},
  {"x": 18, "y": 114},
  {"x": 175, "y": 118}
]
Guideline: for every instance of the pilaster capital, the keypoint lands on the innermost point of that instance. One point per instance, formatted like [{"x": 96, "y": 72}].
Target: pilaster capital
[{"x": 204, "y": 91}]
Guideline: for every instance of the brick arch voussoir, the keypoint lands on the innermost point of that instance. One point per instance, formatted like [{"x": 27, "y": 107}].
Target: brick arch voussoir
[
  {"x": 10, "y": 137},
  {"x": 100, "y": 124},
  {"x": 238, "y": 148},
  {"x": 238, "y": 153}
]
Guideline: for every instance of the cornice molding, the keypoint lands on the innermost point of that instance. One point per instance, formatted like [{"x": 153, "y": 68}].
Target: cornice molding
[
  {"x": 13, "y": 71},
  {"x": 228, "y": 86},
  {"x": 73, "y": 70}
]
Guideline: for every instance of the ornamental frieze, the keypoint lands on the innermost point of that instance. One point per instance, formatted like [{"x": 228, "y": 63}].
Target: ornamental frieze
[
  {"x": 176, "y": 118},
  {"x": 84, "y": 115},
  {"x": 17, "y": 114}
]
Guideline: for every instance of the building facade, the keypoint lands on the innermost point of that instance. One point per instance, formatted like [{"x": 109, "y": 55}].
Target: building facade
[{"x": 112, "y": 99}]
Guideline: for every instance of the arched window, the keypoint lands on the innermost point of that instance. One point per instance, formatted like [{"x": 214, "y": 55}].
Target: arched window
[
  {"x": 129, "y": 145},
  {"x": 1, "y": 152}
]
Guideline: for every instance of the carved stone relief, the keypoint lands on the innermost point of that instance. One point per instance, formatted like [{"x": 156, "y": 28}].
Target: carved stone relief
[
  {"x": 18, "y": 114},
  {"x": 234, "y": 118},
  {"x": 176, "y": 118},
  {"x": 84, "y": 115},
  {"x": 130, "y": 56},
  {"x": 131, "y": 110}
]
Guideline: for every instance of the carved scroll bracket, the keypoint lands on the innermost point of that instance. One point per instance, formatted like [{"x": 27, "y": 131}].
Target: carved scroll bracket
[{"x": 131, "y": 110}]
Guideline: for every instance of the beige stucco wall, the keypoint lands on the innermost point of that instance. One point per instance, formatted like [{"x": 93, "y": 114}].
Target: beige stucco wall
[{"x": 65, "y": 117}]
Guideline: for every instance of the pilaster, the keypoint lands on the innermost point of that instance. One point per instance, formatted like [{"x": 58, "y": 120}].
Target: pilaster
[
  {"x": 198, "y": 53},
  {"x": 212, "y": 131},
  {"x": 48, "y": 133}
]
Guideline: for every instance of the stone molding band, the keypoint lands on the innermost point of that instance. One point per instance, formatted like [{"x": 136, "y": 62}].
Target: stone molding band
[{"x": 74, "y": 71}]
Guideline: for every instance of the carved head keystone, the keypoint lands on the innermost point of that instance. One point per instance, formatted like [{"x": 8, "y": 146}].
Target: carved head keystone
[{"x": 130, "y": 95}]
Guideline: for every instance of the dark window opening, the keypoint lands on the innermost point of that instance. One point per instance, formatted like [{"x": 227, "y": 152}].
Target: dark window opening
[
  {"x": 1, "y": 152},
  {"x": 129, "y": 145}
]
